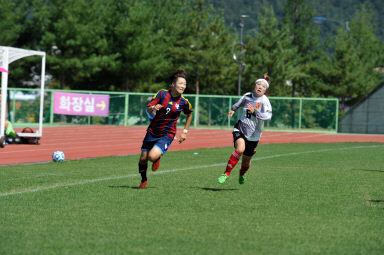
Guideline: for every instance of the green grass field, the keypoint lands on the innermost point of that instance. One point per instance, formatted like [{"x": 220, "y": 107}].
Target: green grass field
[{"x": 298, "y": 199}]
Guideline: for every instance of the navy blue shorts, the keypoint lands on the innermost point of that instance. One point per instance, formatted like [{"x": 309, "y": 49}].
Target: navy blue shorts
[{"x": 162, "y": 142}]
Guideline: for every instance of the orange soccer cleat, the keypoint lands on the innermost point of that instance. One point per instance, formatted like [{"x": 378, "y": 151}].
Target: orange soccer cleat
[{"x": 143, "y": 185}]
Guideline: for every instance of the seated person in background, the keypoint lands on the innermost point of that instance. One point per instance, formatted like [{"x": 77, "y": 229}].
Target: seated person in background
[{"x": 9, "y": 131}]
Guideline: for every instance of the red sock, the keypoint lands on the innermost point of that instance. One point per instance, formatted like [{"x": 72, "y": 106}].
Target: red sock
[
  {"x": 233, "y": 159},
  {"x": 244, "y": 169}
]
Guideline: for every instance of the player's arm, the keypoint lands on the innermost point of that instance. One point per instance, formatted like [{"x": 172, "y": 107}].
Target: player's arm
[
  {"x": 183, "y": 135},
  {"x": 154, "y": 105},
  {"x": 230, "y": 113},
  {"x": 265, "y": 115},
  {"x": 152, "y": 108},
  {"x": 236, "y": 106}
]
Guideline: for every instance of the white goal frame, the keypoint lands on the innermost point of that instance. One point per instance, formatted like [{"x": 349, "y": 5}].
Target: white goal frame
[{"x": 7, "y": 56}]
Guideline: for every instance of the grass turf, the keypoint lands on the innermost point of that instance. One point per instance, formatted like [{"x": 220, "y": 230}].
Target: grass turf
[{"x": 298, "y": 199}]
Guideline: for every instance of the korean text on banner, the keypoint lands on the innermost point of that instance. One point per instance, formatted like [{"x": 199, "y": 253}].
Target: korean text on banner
[{"x": 81, "y": 104}]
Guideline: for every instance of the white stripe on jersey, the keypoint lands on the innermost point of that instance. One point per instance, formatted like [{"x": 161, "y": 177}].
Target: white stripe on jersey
[{"x": 250, "y": 125}]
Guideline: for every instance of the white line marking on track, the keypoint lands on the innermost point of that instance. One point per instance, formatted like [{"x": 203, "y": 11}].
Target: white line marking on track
[{"x": 61, "y": 185}]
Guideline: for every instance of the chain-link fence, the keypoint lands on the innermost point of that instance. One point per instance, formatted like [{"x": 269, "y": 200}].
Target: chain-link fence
[{"x": 210, "y": 111}]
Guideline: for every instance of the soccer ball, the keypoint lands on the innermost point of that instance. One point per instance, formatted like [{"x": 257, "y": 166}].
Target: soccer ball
[{"x": 58, "y": 156}]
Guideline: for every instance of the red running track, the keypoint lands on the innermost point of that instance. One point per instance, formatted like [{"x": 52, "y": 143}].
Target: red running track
[{"x": 79, "y": 142}]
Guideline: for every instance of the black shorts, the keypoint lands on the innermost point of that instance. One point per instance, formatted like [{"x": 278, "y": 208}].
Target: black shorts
[{"x": 250, "y": 146}]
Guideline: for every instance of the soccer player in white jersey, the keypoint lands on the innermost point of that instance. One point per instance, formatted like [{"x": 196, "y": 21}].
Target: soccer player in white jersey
[{"x": 247, "y": 131}]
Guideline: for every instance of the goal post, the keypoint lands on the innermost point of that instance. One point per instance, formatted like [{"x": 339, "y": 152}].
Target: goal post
[{"x": 7, "y": 56}]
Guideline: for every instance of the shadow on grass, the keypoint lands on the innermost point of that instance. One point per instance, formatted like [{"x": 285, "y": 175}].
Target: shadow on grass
[
  {"x": 214, "y": 189},
  {"x": 370, "y": 170},
  {"x": 128, "y": 187},
  {"x": 376, "y": 201}
]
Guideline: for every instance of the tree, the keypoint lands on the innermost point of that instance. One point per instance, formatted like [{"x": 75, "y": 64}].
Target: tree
[
  {"x": 368, "y": 46},
  {"x": 10, "y": 22},
  {"x": 141, "y": 46},
  {"x": 73, "y": 35},
  {"x": 203, "y": 46},
  {"x": 219, "y": 70},
  {"x": 270, "y": 51},
  {"x": 298, "y": 16},
  {"x": 357, "y": 54}
]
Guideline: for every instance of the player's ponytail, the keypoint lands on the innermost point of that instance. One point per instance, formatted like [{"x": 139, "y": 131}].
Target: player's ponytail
[{"x": 267, "y": 78}]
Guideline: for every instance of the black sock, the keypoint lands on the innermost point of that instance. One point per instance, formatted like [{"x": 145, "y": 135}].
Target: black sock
[{"x": 143, "y": 171}]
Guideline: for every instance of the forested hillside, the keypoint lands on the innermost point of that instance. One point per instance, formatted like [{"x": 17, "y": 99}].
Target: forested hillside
[
  {"x": 133, "y": 45},
  {"x": 338, "y": 10}
]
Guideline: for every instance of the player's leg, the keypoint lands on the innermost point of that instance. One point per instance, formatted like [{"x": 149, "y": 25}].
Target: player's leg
[
  {"x": 250, "y": 150},
  {"x": 239, "y": 144},
  {"x": 160, "y": 147},
  {"x": 245, "y": 164},
  {"x": 154, "y": 157},
  {"x": 147, "y": 145},
  {"x": 143, "y": 165},
  {"x": 236, "y": 155}
]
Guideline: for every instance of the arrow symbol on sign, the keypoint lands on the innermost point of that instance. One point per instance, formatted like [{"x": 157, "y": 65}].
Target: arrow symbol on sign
[{"x": 101, "y": 105}]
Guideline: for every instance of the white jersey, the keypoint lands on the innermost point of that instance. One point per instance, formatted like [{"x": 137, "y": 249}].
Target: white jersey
[{"x": 250, "y": 125}]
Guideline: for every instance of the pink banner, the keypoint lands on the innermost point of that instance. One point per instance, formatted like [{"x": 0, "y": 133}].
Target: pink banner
[{"x": 81, "y": 104}]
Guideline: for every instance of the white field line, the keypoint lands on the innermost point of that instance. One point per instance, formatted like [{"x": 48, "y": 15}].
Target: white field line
[{"x": 61, "y": 185}]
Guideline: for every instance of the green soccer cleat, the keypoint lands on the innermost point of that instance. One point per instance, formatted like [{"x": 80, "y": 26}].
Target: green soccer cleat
[
  {"x": 242, "y": 179},
  {"x": 10, "y": 131},
  {"x": 222, "y": 178}
]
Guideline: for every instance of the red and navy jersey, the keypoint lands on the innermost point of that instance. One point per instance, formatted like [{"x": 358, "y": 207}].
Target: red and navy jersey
[{"x": 164, "y": 123}]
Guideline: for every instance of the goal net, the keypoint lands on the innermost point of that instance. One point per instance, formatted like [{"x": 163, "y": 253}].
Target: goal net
[{"x": 7, "y": 56}]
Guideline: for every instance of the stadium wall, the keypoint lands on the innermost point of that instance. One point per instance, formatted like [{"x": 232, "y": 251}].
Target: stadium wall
[{"x": 367, "y": 116}]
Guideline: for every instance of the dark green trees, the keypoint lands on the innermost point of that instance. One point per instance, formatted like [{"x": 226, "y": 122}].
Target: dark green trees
[
  {"x": 271, "y": 51},
  {"x": 134, "y": 45},
  {"x": 352, "y": 70}
]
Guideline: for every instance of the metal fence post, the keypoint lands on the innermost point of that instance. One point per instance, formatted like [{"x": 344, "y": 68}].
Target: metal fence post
[
  {"x": 300, "y": 111},
  {"x": 13, "y": 109},
  {"x": 229, "y": 108},
  {"x": 196, "y": 111},
  {"x": 51, "y": 108},
  {"x": 126, "y": 107},
  {"x": 337, "y": 116}
]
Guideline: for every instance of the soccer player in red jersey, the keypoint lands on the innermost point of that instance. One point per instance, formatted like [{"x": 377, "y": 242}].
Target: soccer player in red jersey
[{"x": 168, "y": 105}]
